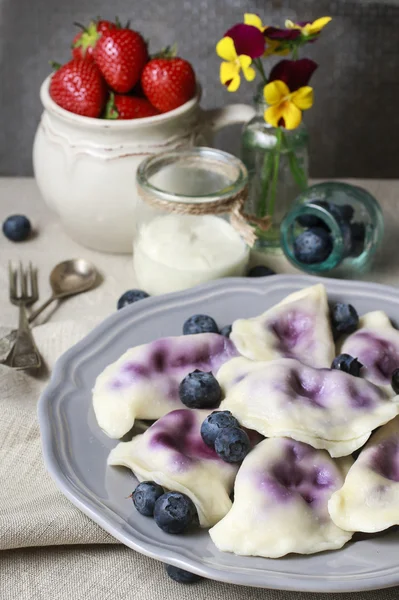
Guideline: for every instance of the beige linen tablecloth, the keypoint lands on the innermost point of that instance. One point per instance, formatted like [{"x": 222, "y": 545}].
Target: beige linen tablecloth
[{"x": 48, "y": 549}]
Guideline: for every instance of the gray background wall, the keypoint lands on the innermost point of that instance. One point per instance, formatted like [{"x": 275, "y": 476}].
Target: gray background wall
[{"x": 354, "y": 123}]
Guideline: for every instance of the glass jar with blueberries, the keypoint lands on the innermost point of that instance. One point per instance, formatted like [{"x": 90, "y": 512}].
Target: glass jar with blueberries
[{"x": 333, "y": 228}]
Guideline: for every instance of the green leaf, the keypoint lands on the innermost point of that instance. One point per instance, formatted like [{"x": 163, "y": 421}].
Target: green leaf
[{"x": 110, "y": 109}]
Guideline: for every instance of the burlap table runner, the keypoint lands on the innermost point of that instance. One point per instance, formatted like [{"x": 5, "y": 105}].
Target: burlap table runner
[{"x": 49, "y": 549}]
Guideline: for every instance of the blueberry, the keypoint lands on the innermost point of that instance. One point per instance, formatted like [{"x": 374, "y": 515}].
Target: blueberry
[
  {"x": 17, "y": 228},
  {"x": 348, "y": 364},
  {"x": 174, "y": 512},
  {"x": 145, "y": 495},
  {"x": 358, "y": 232},
  {"x": 200, "y": 390},
  {"x": 346, "y": 212},
  {"x": 214, "y": 423},
  {"x": 180, "y": 575},
  {"x": 344, "y": 318},
  {"x": 260, "y": 271},
  {"x": 311, "y": 221},
  {"x": 312, "y": 246},
  {"x": 226, "y": 331},
  {"x": 347, "y": 237},
  {"x": 131, "y": 296},
  {"x": 232, "y": 444},
  {"x": 200, "y": 324},
  {"x": 395, "y": 381}
]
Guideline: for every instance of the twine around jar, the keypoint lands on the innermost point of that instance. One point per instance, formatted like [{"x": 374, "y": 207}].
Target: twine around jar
[{"x": 242, "y": 222}]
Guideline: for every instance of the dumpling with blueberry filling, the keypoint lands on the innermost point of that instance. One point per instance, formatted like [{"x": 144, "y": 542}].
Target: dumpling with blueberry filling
[
  {"x": 326, "y": 408},
  {"x": 298, "y": 327},
  {"x": 144, "y": 382},
  {"x": 173, "y": 454},
  {"x": 280, "y": 502},
  {"x": 235, "y": 370},
  {"x": 376, "y": 345},
  {"x": 369, "y": 498}
]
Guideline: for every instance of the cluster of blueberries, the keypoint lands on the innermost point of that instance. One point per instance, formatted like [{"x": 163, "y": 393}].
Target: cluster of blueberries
[
  {"x": 175, "y": 512},
  {"x": 315, "y": 244}
]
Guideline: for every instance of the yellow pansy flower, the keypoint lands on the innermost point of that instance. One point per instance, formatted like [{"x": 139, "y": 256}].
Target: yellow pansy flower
[
  {"x": 254, "y": 20},
  {"x": 233, "y": 64},
  {"x": 285, "y": 107},
  {"x": 309, "y": 28}
]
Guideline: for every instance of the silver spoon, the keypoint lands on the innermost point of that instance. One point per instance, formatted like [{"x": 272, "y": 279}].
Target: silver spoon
[{"x": 66, "y": 279}]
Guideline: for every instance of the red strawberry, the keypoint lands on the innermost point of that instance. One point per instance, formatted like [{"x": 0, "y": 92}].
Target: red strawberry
[
  {"x": 168, "y": 82},
  {"x": 79, "y": 87},
  {"x": 128, "y": 107},
  {"x": 85, "y": 41},
  {"x": 121, "y": 55}
]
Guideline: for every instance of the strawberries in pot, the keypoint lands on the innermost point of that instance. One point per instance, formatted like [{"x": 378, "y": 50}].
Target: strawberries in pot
[
  {"x": 121, "y": 55},
  {"x": 168, "y": 82},
  {"x": 129, "y": 107},
  {"x": 79, "y": 87}
]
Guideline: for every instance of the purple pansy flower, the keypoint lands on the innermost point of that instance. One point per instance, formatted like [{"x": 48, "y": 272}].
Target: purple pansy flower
[
  {"x": 247, "y": 40},
  {"x": 295, "y": 73}
]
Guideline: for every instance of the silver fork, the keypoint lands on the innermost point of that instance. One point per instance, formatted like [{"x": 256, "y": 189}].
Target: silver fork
[{"x": 23, "y": 292}]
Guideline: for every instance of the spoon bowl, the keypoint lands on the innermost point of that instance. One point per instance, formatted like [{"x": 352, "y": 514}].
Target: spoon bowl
[{"x": 72, "y": 277}]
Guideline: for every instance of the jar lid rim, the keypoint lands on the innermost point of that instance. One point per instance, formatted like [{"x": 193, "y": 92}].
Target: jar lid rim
[{"x": 196, "y": 157}]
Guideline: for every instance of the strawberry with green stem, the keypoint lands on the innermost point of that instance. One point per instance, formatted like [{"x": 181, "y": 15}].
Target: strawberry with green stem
[
  {"x": 128, "y": 107},
  {"x": 79, "y": 87},
  {"x": 121, "y": 55},
  {"x": 168, "y": 81}
]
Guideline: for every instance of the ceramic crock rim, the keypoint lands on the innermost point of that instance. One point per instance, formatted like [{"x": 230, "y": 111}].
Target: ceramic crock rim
[{"x": 94, "y": 123}]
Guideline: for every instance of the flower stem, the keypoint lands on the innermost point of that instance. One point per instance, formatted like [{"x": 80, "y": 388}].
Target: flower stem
[
  {"x": 296, "y": 170},
  {"x": 267, "y": 168},
  {"x": 295, "y": 53},
  {"x": 259, "y": 65},
  {"x": 276, "y": 165}
]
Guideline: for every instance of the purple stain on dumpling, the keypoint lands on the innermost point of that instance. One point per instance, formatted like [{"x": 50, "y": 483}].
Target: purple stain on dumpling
[
  {"x": 299, "y": 471},
  {"x": 385, "y": 459},
  {"x": 167, "y": 361},
  {"x": 290, "y": 329},
  {"x": 179, "y": 432},
  {"x": 379, "y": 356},
  {"x": 310, "y": 389}
]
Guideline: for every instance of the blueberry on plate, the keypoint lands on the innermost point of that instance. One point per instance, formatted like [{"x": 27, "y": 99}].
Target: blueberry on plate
[
  {"x": 344, "y": 318},
  {"x": 313, "y": 246},
  {"x": 260, "y": 271},
  {"x": 174, "y": 512},
  {"x": 395, "y": 381},
  {"x": 200, "y": 324},
  {"x": 131, "y": 296},
  {"x": 347, "y": 364},
  {"x": 200, "y": 390},
  {"x": 17, "y": 228},
  {"x": 232, "y": 444},
  {"x": 180, "y": 575},
  {"x": 145, "y": 495},
  {"x": 214, "y": 423},
  {"x": 225, "y": 331}
]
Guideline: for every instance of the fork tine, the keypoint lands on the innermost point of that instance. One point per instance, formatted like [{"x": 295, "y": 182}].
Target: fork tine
[
  {"x": 11, "y": 279},
  {"x": 22, "y": 276},
  {"x": 33, "y": 282}
]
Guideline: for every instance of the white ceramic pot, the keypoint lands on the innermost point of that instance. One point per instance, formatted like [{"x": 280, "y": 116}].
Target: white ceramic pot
[{"x": 85, "y": 168}]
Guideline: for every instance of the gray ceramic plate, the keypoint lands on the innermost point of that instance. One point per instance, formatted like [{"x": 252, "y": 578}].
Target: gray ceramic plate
[{"x": 75, "y": 449}]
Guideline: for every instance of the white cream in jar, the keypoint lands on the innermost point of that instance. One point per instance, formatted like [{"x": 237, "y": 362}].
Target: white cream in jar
[{"x": 175, "y": 252}]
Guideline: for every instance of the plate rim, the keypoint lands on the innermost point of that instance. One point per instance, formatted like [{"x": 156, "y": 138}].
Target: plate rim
[{"x": 278, "y": 581}]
